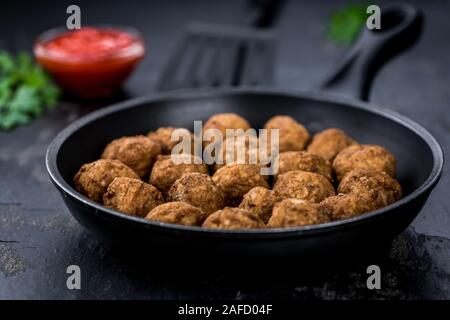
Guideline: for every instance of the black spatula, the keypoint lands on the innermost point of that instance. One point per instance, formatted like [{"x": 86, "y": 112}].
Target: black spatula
[{"x": 210, "y": 55}]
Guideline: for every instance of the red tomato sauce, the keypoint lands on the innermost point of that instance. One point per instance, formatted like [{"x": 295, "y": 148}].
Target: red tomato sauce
[
  {"x": 90, "y": 62},
  {"x": 89, "y": 43}
]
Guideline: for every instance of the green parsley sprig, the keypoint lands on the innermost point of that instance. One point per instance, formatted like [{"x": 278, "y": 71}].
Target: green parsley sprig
[
  {"x": 345, "y": 24},
  {"x": 26, "y": 90}
]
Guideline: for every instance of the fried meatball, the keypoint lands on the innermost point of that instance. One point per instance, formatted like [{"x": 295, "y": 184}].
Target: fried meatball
[
  {"x": 223, "y": 121},
  {"x": 235, "y": 180},
  {"x": 292, "y": 135},
  {"x": 137, "y": 152},
  {"x": 304, "y": 161},
  {"x": 165, "y": 172},
  {"x": 303, "y": 185},
  {"x": 329, "y": 143},
  {"x": 178, "y": 213},
  {"x": 199, "y": 190},
  {"x": 233, "y": 218},
  {"x": 163, "y": 136},
  {"x": 363, "y": 180},
  {"x": 295, "y": 212},
  {"x": 93, "y": 178},
  {"x": 260, "y": 201},
  {"x": 132, "y": 196},
  {"x": 347, "y": 205},
  {"x": 367, "y": 156},
  {"x": 243, "y": 149}
]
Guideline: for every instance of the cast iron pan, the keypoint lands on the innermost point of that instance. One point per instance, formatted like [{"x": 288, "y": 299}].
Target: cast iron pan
[{"x": 420, "y": 158}]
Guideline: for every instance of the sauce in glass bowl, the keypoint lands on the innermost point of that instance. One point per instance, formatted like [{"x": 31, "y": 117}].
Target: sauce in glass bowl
[{"x": 92, "y": 62}]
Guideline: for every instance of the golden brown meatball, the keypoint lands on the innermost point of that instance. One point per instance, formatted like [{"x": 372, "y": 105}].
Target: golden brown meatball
[
  {"x": 132, "y": 196},
  {"x": 93, "y": 178},
  {"x": 260, "y": 201},
  {"x": 304, "y": 161},
  {"x": 295, "y": 212},
  {"x": 223, "y": 121},
  {"x": 137, "y": 152},
  {"x": 199, "y": 190},
  {"x": 177, "y": 213},
  {"x": 363, "y": 180},
  {"x": 233, "y": 218},
  {"x": 235, "y": 180},
  {"x": 329, "y": 143},
  {"x": 165, "y": 172},
  {"x": 303, "y": 185},
  {"x": 163, "y": 136},
  {"x": 366, "y": 156},
  {"x": 292, "y": 135},
  {"x": 244, "y": 149},
  {"x": 347, "y": 205}
]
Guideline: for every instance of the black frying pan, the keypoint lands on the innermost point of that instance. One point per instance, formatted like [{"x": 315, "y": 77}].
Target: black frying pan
[{"x": 420, "y": 158}]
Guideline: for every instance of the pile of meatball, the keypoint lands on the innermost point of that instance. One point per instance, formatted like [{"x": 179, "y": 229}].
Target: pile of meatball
[{"x": 325, "y": 178}]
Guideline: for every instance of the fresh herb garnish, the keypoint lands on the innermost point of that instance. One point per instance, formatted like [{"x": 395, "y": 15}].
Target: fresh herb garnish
[
  {"x": 346, "y": 23},
  {"x": 26, "y": 91}
]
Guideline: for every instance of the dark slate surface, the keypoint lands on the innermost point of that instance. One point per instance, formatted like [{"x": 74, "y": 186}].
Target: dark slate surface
[{"x": 39, "y": 238}]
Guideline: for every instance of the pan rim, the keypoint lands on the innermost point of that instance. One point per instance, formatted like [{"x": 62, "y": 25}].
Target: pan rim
[{"x": 430, "y": 140}]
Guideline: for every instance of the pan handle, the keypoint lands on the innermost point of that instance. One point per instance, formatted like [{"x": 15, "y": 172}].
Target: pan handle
[{"x": 401, "y": 25}]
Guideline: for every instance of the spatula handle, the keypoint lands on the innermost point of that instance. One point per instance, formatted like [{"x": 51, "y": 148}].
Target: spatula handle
[{"x": 263, "y": 13}]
